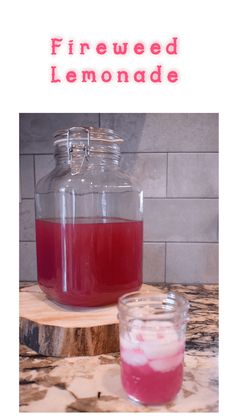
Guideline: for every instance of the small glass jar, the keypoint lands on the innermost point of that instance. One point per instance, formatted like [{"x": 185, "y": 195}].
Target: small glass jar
[
  {"x": 152, "y": 342},
  {"x": 89, "y": 228}
]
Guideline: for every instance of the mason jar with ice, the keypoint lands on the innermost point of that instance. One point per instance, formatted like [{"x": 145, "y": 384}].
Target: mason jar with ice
[{"x": 152, "y": 342}]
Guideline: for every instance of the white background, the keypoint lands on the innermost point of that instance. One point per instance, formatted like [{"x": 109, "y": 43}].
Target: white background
[{"x": 205, "y": 62}]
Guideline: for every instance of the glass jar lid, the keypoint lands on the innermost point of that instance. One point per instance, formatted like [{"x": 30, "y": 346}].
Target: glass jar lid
[{"x": 83, "y": 133}]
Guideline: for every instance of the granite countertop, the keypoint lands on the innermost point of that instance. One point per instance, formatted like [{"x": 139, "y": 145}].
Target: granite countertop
[{"x": 92, "y": 384}]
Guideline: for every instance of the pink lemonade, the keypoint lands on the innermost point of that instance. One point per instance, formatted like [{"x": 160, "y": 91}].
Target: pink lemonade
[
  {"x": 151, "y": 362},
  {"x": 89, "y": 262}
]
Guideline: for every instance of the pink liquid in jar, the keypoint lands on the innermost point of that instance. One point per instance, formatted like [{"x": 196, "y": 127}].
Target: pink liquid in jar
[
  {"x": 151, "y": 362},
  {"x": 90, "y": 261}
]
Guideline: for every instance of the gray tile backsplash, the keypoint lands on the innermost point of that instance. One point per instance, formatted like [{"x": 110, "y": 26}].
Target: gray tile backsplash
[
  {"x": 192, "y": 263},
  {"x": 149, "y": 170},
  {"x": 193, "y": 175},
  {"x": 26, "y": 176},
  {"x": 43, "y": 165},
  {"x": 154, "y": 262},
  {"x": 180, "y": 220},
  {"x": 28, "y": 270},
  {"x": 165, "y": 132},
  {"x": 36, "y": 129},
  {"x": 27, "y": 220},
  {"x": 175, "y": 159}
]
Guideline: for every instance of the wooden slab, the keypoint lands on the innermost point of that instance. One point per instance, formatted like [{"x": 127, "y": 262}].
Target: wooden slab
[{"x": 53, "y": 330}]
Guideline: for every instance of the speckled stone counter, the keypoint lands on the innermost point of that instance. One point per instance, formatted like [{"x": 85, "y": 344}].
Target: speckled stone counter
[{"x": 92, "y": 384}]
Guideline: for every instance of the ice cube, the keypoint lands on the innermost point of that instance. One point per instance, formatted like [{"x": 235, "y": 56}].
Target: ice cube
[
  {"x": 161, "y": 342},
  {"x": 148, "y": 334},
  {"x": 133, "y": 358},
  {"x": 138, "y": 323},
  {"x": 154, "y": 349},
  {"x": 150, "y": 349},
  {"x": 127, "y": 343},
  {"x": 136, "y": 335},
  {"x": 167, "y": 363}
]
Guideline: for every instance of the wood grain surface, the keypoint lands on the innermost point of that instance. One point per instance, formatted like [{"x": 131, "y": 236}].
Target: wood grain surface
[{"x": 54, "y": 330}]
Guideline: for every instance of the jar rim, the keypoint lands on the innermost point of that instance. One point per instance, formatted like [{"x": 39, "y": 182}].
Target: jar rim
[
  {"x": 167, "y": 301},
  {"x": 89, "y": 133}
]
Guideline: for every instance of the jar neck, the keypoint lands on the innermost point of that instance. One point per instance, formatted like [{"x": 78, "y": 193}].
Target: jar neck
[{"x": 97, "y": 156}]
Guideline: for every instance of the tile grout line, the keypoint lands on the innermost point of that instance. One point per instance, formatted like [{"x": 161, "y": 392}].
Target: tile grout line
[
  {"x": 165, "y": 261},
  {"x": 182, "y": 198},
  {"x": 161, "y": 242},
  {"x": 34, "y": 154},
  {"x": 34, "y": 192},
  {"x": 180, "y": 242},
  {"x": 34, "y": 170},
  {"x": 24, "y": 240},
  {"x": 170, "y": 152},
  {"x": 135, "y": 152},
  {"x": 161, "y": 198},
  {"x": 167, "y": 162}
]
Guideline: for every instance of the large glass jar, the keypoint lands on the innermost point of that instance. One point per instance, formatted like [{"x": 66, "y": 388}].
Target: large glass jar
[{"x": 89, "y": 228}]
